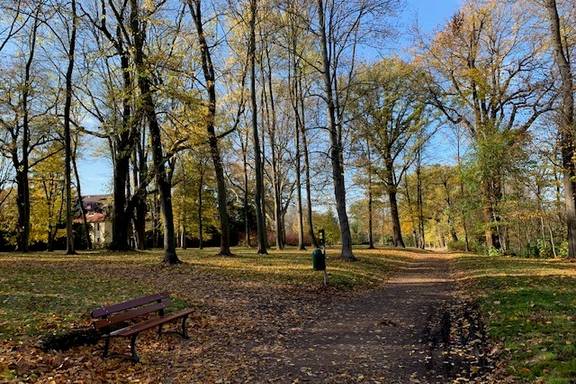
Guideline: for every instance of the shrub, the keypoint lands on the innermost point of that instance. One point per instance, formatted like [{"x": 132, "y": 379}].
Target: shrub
[
  {"x": 563, "y": 249},
  {"x": 476, "y": 247},
  {"x": 544, "y": 248},
  {"x": 494, "y": 252},
  {"x": 531, "y": 251},
  {"x": 458, "y": 245}
]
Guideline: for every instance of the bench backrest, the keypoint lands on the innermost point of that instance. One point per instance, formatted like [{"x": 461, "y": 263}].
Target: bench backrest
[{"x": 110, "y": 315}]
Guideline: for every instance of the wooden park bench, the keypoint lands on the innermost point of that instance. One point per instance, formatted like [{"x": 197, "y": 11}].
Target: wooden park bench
[{"x": 130, "y": 318}]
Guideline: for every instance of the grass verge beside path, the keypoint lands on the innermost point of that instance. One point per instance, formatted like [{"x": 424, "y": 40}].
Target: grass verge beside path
[{"x": 530, "y": 310}]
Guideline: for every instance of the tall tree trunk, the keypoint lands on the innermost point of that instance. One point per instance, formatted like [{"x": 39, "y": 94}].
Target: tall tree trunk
[
  {"x": 570, "y": 199},
  {"x": 68, "y": 136},
  {"x": 50, "y": 243},
  {"x": 81, "y": 200},
  {"x": 53, "y": 228},
  {"x": 462, "y": 190},
  {"x": 336, "y": 149},
  {"x": 392, "y": 190},
  {"x": 149, "y": 109},
  {"x": 490, "y": 198},
  {"x": 451, "y": 226},
  {"x": 293, "y": 75},
  {"x": 420, "y": 200},
  {"x": 276, "y": 183},
  {"x": 183, "y": 212},
  {"x": 370, "y": 199},
  {"x": 567, "y": 136},
  {"x": 301, "y": 245},
  {"x": 306, "y": 166},
  {"x": 120, "y": 219},
  {"x": 156, "y": 231},
  {"x": 260, "y": 221},
  {"x": 50, "y": 197},
  {"x": 395, "y": 216},
  {"x": 384, "y": 228},
  {"x": 558, "y": 193},
  {"x": 411, "y": 211},
  {"x": 200, "y": 207},
  {"x": 140, "y": 171},
  {"x": 279, "y": 213},
  {"x": 195, "y": 7},
  {"x": 440, "y": 234},
  {"x": 22, "y": 166},
  {"x": 266, "y": 242},
  {"x": 183, "y": 240},
  {"x": 552, "y": 241},
  {"x": 453, "y": 233},
  {"x": 23, "y": 205},
  {"x": 140, "y": 222},
  {"x": 245, "y": 197}
]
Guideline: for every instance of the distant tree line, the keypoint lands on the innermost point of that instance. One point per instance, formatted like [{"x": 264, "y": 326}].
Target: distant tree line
[{"x": 251, "y": 121}]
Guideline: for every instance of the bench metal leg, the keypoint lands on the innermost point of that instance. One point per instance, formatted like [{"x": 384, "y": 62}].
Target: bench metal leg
[
  {"x": 159, "y": 330},
  {"x": 106, "y": 346},
  {"x": 184, "y": 329},
  {"x": 135, "y": 357}
]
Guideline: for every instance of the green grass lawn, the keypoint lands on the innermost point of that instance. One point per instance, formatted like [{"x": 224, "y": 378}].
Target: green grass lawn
[
  {"x": 40, "y": 292},
  {"x": 530, "y": 306}
]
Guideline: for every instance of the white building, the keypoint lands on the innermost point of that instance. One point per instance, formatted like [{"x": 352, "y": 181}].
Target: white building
[{"x": 99, "y": 224}]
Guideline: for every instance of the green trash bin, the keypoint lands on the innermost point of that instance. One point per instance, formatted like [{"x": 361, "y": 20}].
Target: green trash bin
[{"x": 318, "y": 260}]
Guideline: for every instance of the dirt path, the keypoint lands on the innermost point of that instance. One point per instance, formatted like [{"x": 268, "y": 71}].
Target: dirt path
[{"x": 377, "y": 337}]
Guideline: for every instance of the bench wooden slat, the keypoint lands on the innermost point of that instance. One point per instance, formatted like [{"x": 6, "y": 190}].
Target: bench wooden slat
[
  {"x": 137, "y": 311},
  {"x": 130, "y": 314},
  {"x": 152, "y": 323},
  {"x": 106, "y": 311}
]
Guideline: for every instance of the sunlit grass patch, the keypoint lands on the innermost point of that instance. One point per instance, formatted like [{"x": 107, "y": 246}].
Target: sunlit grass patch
[
  {"x": 35, "y": 297},
  {"x": 531, "y": 309}
]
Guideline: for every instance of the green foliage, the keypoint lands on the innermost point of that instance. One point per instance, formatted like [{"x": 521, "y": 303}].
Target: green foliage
[
  {"x": 494, "y": 252},
  {"x": 563, "y": 249},
  {"x": 194, "y": 174},
  {"x": 459, "y": 245},
  {"x": 329, "y": 223},
  {"x": 476, "y": 247},
  {"x": 531, "y": 250},
  {"x": 358, "y": 215},
  {"x": 544, "y": 248},
  {"x": 8, "y": 220},
  {"x": 47, "y": 196}
]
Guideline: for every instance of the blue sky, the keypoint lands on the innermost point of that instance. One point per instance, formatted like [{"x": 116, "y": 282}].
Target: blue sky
[
  {"x": 429, "y": 13},
  {"x": 96, "y": 171}
]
